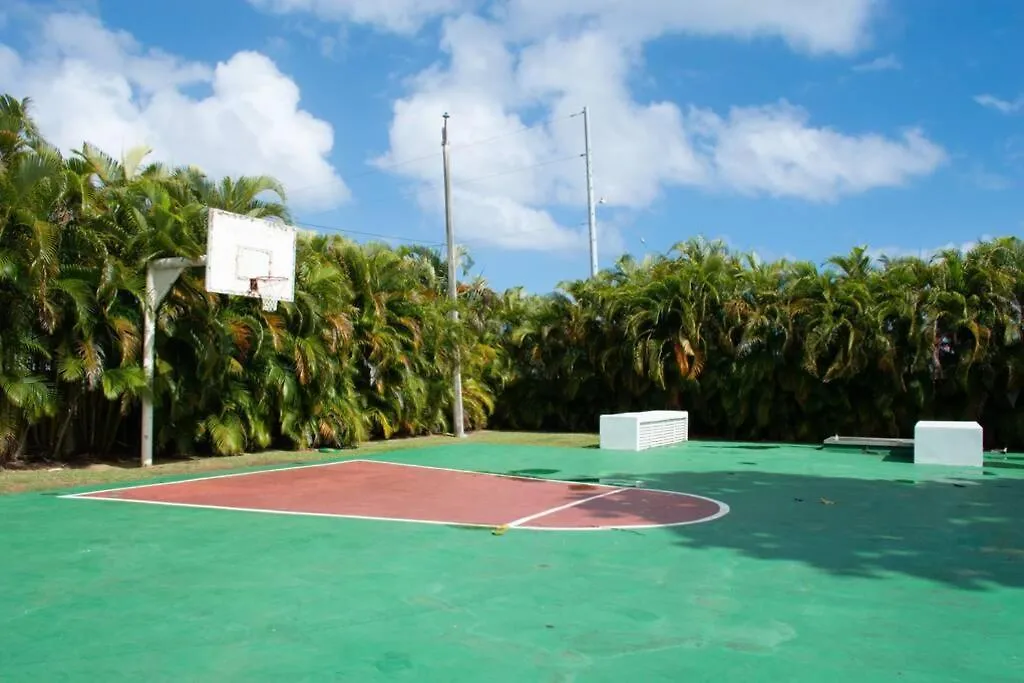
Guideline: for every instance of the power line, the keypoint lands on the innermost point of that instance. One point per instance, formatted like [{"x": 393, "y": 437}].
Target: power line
[
  {"x": 520, "y": 169},
  {"x": 475, "y": 143},
  {"x": 409, "y": 240},
  {"x": 434, "y": 156},
  {"x": 511, "y": 133},
  {"x": 344, "y": 231},
  {"x": 511, "y": 171},
  {"x": 334, "y": 230},
  {"x": 429, "y": 243}
]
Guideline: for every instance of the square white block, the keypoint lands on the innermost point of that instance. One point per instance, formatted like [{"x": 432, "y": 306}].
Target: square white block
[
  {"x": 643, "y": 430},
  {"x": 948, "y": 443}
]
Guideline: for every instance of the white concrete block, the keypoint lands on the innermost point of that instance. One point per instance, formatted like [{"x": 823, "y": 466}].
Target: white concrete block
[
  {"x": 948, "y": 443},
  {"x": 643, "y": 430}
]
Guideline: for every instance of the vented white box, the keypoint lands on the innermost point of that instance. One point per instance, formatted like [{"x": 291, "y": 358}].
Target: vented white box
[
  {"x": 640, "y": 431},
  {"x": 948, "y": 443}
]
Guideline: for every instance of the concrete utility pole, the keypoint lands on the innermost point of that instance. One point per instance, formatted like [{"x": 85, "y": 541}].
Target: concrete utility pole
[
  {"x": 591, "y": 209},
  {"x": 458, "y": 422}
]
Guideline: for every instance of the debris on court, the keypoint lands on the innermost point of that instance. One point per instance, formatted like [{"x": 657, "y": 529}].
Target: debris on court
[{"x": 628, "y": 483}]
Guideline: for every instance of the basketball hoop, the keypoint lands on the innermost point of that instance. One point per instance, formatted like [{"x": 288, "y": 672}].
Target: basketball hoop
[
  {"x": 253, "y": 257},
  {"x": 263, "y": 289}
]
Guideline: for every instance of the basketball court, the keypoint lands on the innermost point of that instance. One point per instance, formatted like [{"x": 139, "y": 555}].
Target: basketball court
[
  {"x": 479, "y": 562},
  {"x": 466, "y": 562},
  {"x": 400, "y": 492}
]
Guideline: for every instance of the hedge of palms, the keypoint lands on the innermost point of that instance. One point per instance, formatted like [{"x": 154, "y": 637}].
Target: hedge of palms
[
  {"x": 784, "y": 351},
  {"x": 781, "y": 351}
]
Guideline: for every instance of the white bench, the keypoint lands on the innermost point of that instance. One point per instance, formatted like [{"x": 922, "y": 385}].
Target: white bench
[
  {"x": 948, "y": 443},
  {"x": 640, "y": 431}
]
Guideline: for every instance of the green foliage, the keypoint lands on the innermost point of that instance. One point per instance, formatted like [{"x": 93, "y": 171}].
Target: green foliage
[
  {"x": 365, "y": 351},
  {"x": 779, "y": 351},
  {"x": 784, "y": 351}
]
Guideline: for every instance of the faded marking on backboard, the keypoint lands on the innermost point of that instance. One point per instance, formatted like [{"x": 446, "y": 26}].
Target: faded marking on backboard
[
  {"x": 250, "y": 263},
  {"x": 241, "y": 249}
]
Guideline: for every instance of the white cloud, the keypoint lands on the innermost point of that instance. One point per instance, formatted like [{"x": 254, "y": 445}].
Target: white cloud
[
  {"x": 886, "y": 63},
  {"x": 809, "y": 25},
  {"x": 639, "y": 148},
  {"x": 989, "y": 180},
  {"x": 924, "y": 253},
  {"x": 513, "y": 63},
  {"x": 773, "y": 150},
  {"x": 92, "y": 84},
  {"x": 1000, "y": 105},
  {"x": 400, "y": 16},
  {"x": 327, "y": 46}
]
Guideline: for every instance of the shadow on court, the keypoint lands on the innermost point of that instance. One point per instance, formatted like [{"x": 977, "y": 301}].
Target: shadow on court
[{"x": 961, "y": 532}]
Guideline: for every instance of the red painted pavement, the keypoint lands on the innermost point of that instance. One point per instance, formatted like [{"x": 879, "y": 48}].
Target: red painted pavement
[
  {"x": 632, "y": 508},
  {"x": 360, "y": 488}
]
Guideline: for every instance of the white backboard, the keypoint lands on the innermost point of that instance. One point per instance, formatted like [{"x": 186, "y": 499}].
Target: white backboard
[{"x": 239, "y": 248}]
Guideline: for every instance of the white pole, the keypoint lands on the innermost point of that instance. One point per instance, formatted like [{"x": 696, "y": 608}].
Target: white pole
[
  {"x": 458, "y": 421},
  {"x": 148, "y": 360},
  {"x": 160, "y": 276},
  {"x": 591, "y": 209}
]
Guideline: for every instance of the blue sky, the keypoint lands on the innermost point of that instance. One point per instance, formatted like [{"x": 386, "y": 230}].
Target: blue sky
[{"x": 796, "y": 128}]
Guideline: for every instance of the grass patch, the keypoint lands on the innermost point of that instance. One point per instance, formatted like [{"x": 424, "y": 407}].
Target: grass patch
[{"x": 59, "y": 476}]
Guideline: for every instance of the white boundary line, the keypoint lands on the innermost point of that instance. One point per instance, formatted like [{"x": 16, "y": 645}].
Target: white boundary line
[
  {"x": 291, "y": 513},
  {"x": 85, "y": 494},
  {"x": 559, "y": 481},
  {"x": 550, "y": 511},
  {"x": 723, "y": 509},
  {"x": 508, "y": 476},
  {"x": 286, "y": 468}
]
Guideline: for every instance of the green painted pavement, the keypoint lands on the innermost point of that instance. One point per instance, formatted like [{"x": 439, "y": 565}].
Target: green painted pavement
[{"x": 832, "y": 566}]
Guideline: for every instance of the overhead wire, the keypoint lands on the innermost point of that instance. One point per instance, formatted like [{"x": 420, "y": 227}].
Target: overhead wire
[
  {"x": 519, "y": 169},
  {"x": 386, "y": 167},
  {"x": 333, "y": 229},
  {"x": 380, "y": 168},
  {"x": 513, "y": 132}
]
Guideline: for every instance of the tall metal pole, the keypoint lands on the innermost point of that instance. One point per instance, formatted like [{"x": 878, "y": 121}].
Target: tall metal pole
[
  {"x": 160, "y": 277},
  {"x": 458, "y": 424},
  {"x": 591, "y": 209},
  {"x": 149, "y": 309}
]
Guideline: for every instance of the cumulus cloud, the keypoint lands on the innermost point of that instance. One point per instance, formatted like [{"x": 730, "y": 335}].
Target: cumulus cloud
[
  {"x": 808, "y": 25},
  {"x": 774, "y": 150},
  {"x": 515, "y": 185},
  {"x": 1001, "y": 105},
  {"x": 509, "y": 64},
  {"x": 925, "y": 253},
  {"x": 91, "y": 84},
  {"x": 399, "y": 16},
  {"x": 886, "y": 63}
]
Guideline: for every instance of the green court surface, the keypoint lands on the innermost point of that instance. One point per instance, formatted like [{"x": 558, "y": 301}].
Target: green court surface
[{"x": 831, "y": 566}]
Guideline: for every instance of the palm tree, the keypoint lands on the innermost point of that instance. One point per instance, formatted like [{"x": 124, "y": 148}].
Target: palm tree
[{"x": 781, "y": 350}]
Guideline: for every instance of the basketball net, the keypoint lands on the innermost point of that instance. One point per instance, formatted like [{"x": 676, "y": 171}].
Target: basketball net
[{"x": 266, "y": 296}]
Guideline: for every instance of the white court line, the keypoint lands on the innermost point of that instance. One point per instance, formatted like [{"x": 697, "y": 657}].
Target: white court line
[
  {"x": 520, "y": 477},
  {"x": 559, "y": 508},
  {"x": 286, "y": 468},
  {"x": 431, "y": 522},
  {"x": 292, "y": 513},
  {"x": 723, "y": 509}
]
